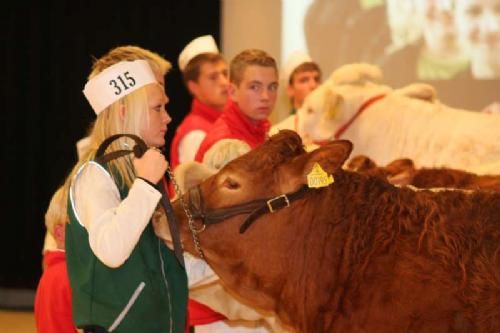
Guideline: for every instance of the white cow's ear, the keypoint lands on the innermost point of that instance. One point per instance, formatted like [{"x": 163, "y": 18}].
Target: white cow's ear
[
  {"x": 190, "y": 174},
  {"x": 330, "y": 157},
  {"x": 422, "y": 91},
  {"x": 356, "y": 74},
  {"x": 332, "y": 102}
]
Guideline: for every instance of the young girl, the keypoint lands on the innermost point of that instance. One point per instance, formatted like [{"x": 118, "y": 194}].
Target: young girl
[
  {"x": 123, "y": 278},
  {"x": 53, "y": 294}
]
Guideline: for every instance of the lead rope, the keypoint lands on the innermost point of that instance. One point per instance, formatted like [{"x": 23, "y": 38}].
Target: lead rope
[
  {"x": 165, "y": 281},
  {"x": 192, "y": 228}
]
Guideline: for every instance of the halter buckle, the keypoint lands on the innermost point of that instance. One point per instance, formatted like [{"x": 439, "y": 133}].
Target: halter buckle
[{"x": 279, "y": 197}]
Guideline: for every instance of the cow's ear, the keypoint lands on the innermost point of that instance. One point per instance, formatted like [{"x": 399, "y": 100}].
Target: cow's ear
[
  {"x": 332, "y": 102},
  {"x": 190, "y": 174},
  {"x": 402, "y": 179},
  {"x": 330, "y": 157},
  {"x": 356, "y": 74},
  {"x": 360, "y": 163}
]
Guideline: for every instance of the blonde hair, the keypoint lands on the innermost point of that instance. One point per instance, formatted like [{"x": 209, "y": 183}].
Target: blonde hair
[
  {"x": 111, "y": 121},
  {"x": 129, "y": 53},
  {"x": 57, "y": 211},
  {"x": 223, "y": 152}
]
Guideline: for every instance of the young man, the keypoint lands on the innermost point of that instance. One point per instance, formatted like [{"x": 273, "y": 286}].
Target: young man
[
  {"x": 205, "y": 75},
  {"x": 302, "y": 75},
  {"x": 253, "y": 90}
]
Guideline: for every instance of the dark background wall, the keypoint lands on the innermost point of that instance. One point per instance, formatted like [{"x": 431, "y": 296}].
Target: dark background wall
[{"x": 47, "y": 57}]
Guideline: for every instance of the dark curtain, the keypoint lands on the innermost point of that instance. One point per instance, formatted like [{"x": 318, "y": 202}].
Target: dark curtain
[{"x": 48, "y": 53}]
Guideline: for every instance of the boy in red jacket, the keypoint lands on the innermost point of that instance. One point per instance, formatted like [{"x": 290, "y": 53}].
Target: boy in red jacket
[
  {"x": 205, "y": 75},
  {"x": 253, "y": 91}
]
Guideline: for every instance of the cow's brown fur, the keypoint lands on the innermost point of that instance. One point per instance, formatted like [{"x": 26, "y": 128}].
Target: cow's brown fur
[{"x": 358, "y": 256}]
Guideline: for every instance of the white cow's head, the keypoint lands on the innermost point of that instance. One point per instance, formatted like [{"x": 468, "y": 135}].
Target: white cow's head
[{"x": 337, "y": 100}]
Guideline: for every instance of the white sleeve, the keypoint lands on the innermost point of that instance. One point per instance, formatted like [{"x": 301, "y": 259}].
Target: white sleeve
[
  {"x": 198, "y": 271},
  {"x": 188, "y": 147},
  {"x": 114, "y": 225}
]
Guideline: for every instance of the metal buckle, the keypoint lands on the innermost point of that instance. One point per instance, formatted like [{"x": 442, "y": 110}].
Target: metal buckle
[{"x": 269, "y": 202}]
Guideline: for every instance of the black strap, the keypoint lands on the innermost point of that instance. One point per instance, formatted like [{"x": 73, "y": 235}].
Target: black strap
[
  {"x": 255, "y": 208},
  {"x": 172, "y": 224},
  {"x": 272, "y": 205}
]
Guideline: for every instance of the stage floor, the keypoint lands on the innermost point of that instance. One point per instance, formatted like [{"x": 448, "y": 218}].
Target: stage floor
[{"x": 17, "y": 321}]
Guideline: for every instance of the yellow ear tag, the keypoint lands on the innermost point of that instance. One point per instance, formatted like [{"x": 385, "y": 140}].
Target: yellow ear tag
[{"x": 318, "y": 177}]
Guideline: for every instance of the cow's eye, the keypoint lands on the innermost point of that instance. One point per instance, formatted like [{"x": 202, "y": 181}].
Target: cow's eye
[{"x": 231, "y": 184}]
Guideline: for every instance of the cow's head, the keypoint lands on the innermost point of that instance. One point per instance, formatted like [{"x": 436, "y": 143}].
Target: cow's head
[
  {"x": 280, "y": 165},
  {"x": 337, "y": 99}
]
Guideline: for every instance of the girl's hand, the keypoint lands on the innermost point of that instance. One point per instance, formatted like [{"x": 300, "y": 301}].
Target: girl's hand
[{"x": 151, "y": 166}]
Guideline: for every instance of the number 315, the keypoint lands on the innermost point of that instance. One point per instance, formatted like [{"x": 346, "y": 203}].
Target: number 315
[{"x": 122, "y": 85}]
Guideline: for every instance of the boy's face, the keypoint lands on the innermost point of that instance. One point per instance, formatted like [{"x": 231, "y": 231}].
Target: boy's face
[
  {"x": 302, "y": 84},
  {"x": 212, "y": 86},
  {"x": 257, "y": 91}
]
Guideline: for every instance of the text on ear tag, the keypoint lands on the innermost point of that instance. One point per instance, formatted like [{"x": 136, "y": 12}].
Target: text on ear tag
[{"x": 318, "y": 177}]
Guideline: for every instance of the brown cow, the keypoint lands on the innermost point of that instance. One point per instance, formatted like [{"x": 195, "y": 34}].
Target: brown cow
[
  {"x": 359, "y": 255},
  {"x": 403, "y": 172}
]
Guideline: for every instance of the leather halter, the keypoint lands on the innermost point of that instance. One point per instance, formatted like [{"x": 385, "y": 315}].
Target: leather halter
[
  {"x": 338, "y": 133},
  {"x": 362, "y": 108},
  {"x": 254, "y": 208}
]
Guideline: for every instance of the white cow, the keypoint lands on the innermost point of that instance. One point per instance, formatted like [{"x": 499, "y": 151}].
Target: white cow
[{"x": 401, "y": 123}]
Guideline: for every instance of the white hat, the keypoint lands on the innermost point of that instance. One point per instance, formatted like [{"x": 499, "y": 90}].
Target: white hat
[
  {"x": 295, "y": 59},
  {"x": 117, "y": 81},
  {"x": 203, "y": 44}
]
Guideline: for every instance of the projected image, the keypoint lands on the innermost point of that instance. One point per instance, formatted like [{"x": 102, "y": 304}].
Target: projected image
[
  {"x": 478, "y": 25},
  {"x": 437, "y": 51},
  {"x": 454, "y": 44}
]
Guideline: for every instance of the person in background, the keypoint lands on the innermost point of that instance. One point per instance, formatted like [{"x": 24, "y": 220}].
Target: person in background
[
  {"x": 478, "y": 25},
  {"x": 253, "y": 91},
  {"x": 53, "y": 311},
  {"x": 437, "y": 55},
  {"x": 301, "y": 75},
  {"x": 122, "y": 275},
  {"x": 206, "y": 78}
]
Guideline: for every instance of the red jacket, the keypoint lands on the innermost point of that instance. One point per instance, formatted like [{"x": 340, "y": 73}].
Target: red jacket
[
  {"x": 233, "y": 124},
  {"x": 201, "y": 117},
  {"x": 53, "y": 311}
]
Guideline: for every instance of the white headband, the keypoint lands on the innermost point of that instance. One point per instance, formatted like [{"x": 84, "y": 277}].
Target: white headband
[{"x": 117, "y": 81}]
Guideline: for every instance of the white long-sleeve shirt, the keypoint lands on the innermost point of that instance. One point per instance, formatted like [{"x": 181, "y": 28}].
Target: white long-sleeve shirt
[{"x": 114, "y": 225}]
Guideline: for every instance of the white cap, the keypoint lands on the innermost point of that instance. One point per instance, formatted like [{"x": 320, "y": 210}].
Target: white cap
[
  {"x": 295, "y": 59},
  {"x": 117, "y": 81},
  {"x": 203, "y": 44}
]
